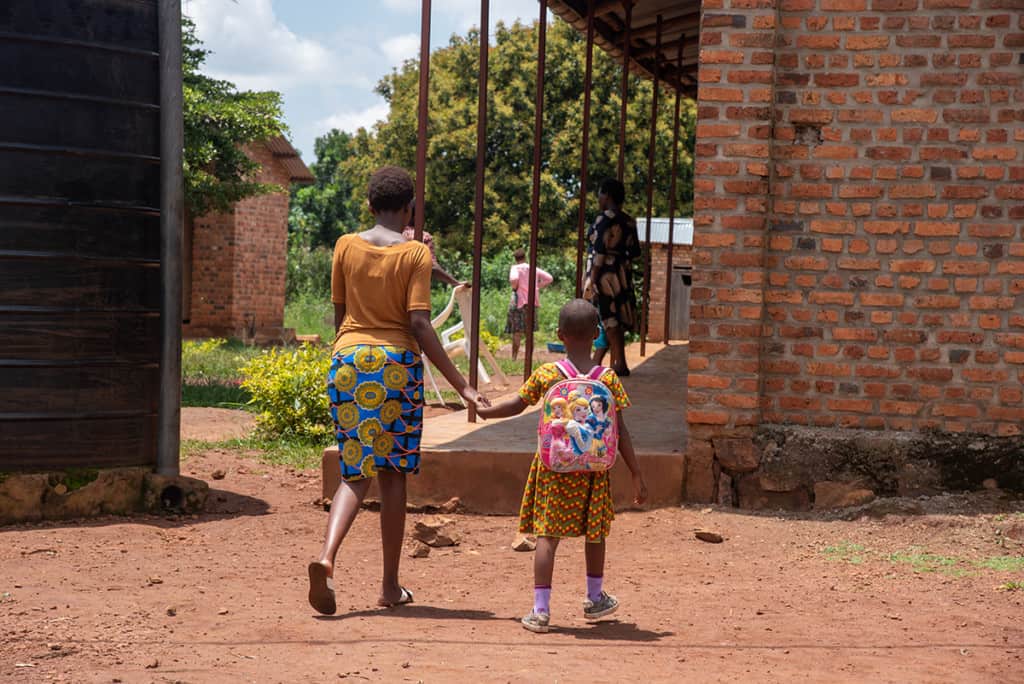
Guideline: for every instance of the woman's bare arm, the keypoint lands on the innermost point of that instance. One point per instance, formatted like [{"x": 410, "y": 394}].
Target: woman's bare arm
[{"x": 426, "y": 336}]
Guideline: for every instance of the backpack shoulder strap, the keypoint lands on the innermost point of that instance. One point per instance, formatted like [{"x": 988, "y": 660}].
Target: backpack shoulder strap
[
  {"x": 567, "y": 368},
  {"x": 597, "y": 372}
]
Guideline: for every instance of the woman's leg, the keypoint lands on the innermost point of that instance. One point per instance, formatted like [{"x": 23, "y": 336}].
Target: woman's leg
[
  {"x": 344, "y": 508},
  {"x": 392, "y": 531},
  {"x": 515, "y": 345}
]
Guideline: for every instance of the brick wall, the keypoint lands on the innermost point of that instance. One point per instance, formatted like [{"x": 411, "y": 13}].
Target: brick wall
[
  {"x": 681, "y": 255},
  {"x": 859, "y": 211},
  {"x": 239, "y": 262}
]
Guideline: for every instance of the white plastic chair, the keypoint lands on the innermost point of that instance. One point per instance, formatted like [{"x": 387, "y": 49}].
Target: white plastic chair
[{"x": 462, "y": 297}]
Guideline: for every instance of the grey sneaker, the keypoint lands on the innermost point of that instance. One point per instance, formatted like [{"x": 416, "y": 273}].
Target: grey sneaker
[
  {"x": 536, "y": 622},
  {"x": 595, "y": 610}
]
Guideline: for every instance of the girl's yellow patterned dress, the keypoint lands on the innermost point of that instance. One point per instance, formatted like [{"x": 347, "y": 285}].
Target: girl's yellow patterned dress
[{"x": 566, "y": 504}]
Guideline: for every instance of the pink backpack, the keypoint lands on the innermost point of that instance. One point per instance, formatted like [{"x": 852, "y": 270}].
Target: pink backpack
[{"x": 579, "y": 428}]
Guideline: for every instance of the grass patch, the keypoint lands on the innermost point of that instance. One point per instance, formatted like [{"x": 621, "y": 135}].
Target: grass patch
[
  {"x": 311, "y": 315},
  {"x": 291, "y": 453},
  {"x": 1002, "y": 563},
  {"x": 922, "y": 561},
  {"x": 1012, "y": 586},
  {"x": 215, "y": 394},
  {"x": 846, "y": 552}
]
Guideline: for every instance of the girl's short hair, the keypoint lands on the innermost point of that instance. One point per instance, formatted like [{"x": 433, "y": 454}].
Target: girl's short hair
[
  {"x": 390, "y": 189},
  {"x": 519, "y": 254}
]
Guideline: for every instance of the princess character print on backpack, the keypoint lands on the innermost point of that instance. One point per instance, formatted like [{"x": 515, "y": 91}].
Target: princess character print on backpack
[{"x": 578, "y": 429}]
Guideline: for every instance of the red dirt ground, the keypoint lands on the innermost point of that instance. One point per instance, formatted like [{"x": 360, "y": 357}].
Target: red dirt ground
[{"x": 92, "y": 601}]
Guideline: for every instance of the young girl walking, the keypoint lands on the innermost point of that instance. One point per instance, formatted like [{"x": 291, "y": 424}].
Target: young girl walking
[
  {"x": 380, "y": 286},
  {"x": 557, "y": 505}
]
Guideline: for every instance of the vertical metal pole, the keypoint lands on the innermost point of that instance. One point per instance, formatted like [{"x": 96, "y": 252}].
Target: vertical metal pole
[
  {"x": 478, "y": 217},
  {"x": 538, "y": 123},
  {"x": 624, "y": 94},
  {"x": 171, "y": 215},
  {"x": 421, "y": 132},
  {"x": 645, "y": 310},
  {"x": 581, "y": 222},
  {"x": 672, "y": 196}
]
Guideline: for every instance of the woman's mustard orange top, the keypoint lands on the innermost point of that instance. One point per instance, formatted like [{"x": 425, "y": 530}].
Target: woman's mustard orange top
[{"x": 379, "y": 286}]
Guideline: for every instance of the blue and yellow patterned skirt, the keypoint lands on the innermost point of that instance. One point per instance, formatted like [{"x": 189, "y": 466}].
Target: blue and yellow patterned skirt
[{"x": 376, "y": 396}]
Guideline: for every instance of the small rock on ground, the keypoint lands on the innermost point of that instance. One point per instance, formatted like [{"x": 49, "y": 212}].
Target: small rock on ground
[{"x": 709, "y": 537}]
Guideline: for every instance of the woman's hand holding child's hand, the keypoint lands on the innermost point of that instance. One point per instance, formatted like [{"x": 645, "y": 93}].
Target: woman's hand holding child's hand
[{"x": 639, "y": 489}]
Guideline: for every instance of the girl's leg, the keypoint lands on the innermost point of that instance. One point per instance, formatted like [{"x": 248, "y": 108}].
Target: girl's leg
[
  {"x": 543, "y": 569},
  {"x": 515, "y": 345},
  {"x": 392, "y": 531},
  {"x": 594, "y": 553}
]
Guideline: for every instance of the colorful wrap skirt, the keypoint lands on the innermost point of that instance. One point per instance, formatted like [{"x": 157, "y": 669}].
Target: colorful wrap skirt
[{"x": 376, "y": 395}]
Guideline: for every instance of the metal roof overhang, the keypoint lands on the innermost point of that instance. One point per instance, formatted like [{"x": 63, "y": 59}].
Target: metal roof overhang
[{"x": 680, "y": 23}]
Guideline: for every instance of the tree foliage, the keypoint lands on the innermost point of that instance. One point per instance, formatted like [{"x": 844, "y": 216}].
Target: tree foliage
[
  {"x": 219, "y": 121},
  {"x": 451, "y": 153}
]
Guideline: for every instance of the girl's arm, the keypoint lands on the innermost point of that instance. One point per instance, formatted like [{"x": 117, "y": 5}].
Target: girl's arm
[
  {"x": 425, "y": 335},
  {"x": 629, "y": 456},
  {"x": 506, "y": 409}
]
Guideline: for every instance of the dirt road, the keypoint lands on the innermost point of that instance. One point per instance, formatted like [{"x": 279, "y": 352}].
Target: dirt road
[{"x": 221, "y": 598}]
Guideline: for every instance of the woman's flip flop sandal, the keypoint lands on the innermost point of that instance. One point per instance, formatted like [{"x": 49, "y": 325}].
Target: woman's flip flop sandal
[
  {"x": 406, "y": 597},
  {"x": 321, "y": 596}
]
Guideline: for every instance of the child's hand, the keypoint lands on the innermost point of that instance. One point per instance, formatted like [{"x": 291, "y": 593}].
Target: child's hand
[
  {"x": 475, "y": 398},
  {"x": 639, "y": 489}
]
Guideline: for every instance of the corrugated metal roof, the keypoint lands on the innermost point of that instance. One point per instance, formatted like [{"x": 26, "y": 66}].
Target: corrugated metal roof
[
  {"x": 681, "y": 24},
  {"x": 290, "y": 159},
  {"x": 682, "y": 233}
]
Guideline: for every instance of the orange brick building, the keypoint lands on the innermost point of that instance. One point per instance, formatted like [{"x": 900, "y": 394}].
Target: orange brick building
[
  {"x": 859, "y": 260},
  {"x": 234, "y": 284}
]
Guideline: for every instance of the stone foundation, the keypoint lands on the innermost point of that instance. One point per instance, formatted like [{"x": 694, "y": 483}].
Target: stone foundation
[
  {"x": 29, "y": 497},
  {"x": 796, "y": 468}
]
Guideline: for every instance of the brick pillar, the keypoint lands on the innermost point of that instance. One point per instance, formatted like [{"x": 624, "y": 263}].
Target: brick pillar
[{"x": 730, "y": 219}]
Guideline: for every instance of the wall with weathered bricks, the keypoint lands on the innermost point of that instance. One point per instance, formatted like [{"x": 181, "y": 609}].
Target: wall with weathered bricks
[
  {"x": 239, "y": 262},
  {"x": 859, "y": 213}
]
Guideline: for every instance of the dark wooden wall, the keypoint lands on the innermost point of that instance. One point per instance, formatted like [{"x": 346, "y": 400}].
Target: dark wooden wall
[{"x": 79, "y": 233}]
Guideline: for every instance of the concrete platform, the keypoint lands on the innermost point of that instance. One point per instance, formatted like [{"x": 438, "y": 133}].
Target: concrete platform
[{"x": 485, "y": 464}]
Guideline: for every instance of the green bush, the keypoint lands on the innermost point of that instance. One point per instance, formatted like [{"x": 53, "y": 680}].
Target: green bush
[
  {"x": 288, "y": 389},
  {"x": 308, "y": 272}
]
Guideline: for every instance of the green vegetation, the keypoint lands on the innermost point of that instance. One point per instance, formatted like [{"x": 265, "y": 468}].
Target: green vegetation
[
  {"x": 288, "y": 390},
  {"x": 336, "y": 203},
  {"x": 76, "y": 478},
  {"x": 846, "y": 551},
  {"x": 1002, "y": 563},
  {"x": 211, "y": 373},
  {"x": 923, "y": 561},
  {"x": 288, "y": 452},
  {"x": 1012, "y": 586},
  {"x": 219, "y": 121}
]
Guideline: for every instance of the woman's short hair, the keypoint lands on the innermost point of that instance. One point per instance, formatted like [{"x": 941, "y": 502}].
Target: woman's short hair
[
  {"x": 391, "y": 189},
  {"x": 613, "y": 188},
  {"x": 520, "y": 254}
]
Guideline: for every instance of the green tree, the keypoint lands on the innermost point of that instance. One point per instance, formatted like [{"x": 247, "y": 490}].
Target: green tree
[
  {"x": 219, "y": 121},
  {"x": 451, "y": 153},
  {"x": 324, "y": 210}
]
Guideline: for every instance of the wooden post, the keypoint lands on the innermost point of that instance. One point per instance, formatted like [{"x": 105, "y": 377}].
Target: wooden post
[
  {"x": 645, "y": 310},
  {"x": 478, "y": 217},
  {"x": 672, "y": 196},
  {"x": 624, "y": 91},
  {"x": 581, "y": 222},
  {"x": 538, "y": 123},
  {"x": 421, "y": 131}
]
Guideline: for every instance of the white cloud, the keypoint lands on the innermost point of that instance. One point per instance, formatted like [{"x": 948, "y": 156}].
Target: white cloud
[
  {"x": 253, "y": 48},
  {"x": 400, "y": 48},
  {"x": 350, "y": 120}
]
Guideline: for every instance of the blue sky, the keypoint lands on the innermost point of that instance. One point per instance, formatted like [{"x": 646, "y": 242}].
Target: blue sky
[{"x": 326, "y": 56}]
